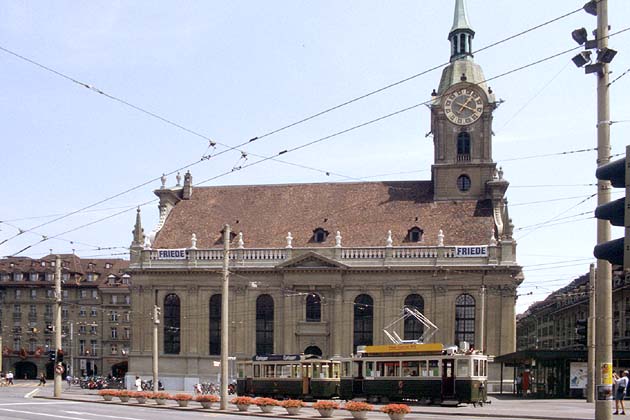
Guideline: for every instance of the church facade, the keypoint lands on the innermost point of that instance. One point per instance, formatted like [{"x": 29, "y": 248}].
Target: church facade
[{"x": 324, "y": 268}]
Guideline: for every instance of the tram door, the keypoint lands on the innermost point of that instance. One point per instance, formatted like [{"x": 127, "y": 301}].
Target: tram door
[
  {"x": 307, "y": 372},
  {"x": 448, "y": 378}
]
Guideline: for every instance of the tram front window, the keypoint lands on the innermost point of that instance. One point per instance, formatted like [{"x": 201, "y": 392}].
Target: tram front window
[
  {"x": 423, "y": 368},
  {"x": 476, "y": 369},
  {"x": 369, "y": 369},
  {"x": 463, "y": 368}
]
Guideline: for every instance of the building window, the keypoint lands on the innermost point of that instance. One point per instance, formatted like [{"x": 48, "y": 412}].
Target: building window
[
  {"x": 463, "y": 146},
  {"x": 17, "y": 276},
  {"x": 82, "y": 311},
  {"x": 264, "y": 324},
  {"x": 50, "y": 276},
  {"x": 93, "y": 347},
  {"x": 171, "y": 324},
  {"x": 363, "y": 321},
  {"x": 114, "y": 299},
  {"x": 82, "y": 329},
  {"x": 83, "y": 294},
  {"x": 127, "y": 300},
  {"x": 463, "y": 183},
  {"x": 17, "y": 343},
  {"x": 127, "y": 333},
  {"x": 93, "y": 329},
  {"x": 319, "y": 235},
  {"x": 215, "y": 324},
  {"x": 82, "y": 347},
  {"x": 33, "y": 293},
  {"x": 50, "y": 293},
  {"x": 94, "y": 294},
  {"x": 313, "y": 308},
  {"x": 64, "y": 312},
  {"x": 414, "y": 234},
  {"x": 18, "y": 294},
  {"x": 113, "y": 316},
  {"x": 465, "y": 319},
  {"x": 114, "y": 332},
  {"x": 114, "y": 349},
  {"x": 93, "y": 312},
  {"x": 90, "y": 277}
]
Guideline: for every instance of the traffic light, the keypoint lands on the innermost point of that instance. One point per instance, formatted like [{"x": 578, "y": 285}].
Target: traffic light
[
  {"x": 49, "y": 328},
  {"x": 59, "y": 355},
  {"x": 581, "y": 330},
  {"x": 617, "y": 212},
  {"x": 51, "y": 355}
]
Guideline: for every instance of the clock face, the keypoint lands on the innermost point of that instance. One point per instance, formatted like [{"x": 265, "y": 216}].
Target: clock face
[{"x": 463, "y": 106}]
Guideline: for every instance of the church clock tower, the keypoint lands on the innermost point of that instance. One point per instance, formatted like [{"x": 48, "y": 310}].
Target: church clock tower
[{"x": 461, "y": 123}]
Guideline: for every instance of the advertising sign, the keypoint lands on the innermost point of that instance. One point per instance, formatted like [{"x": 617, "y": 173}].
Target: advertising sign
[
  {"x": 578, "y": 377},
  {"x": 471, "y": 251},
  {"x": 171, "y": 254}
]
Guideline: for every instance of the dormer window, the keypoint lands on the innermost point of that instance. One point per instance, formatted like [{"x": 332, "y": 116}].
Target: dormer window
[
  {"x": 125, "y": 278},
  {"x": 111, "y": 279},
  {"x": 108, "y": 265},
  {"x": 91, "y": 277},
  {"x": 320, "y": 235},
  {"x": 414, "y": 234}
]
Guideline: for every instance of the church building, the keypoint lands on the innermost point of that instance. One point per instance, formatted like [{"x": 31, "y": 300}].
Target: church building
[{"x": 323, "y": 268}]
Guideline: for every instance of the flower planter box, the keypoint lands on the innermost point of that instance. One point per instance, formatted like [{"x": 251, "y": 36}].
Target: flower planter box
[
  {"x": 160, "y": 401},
  {"x": 266, "y": 408},
  {"x": 396, "y": 416},
  {"x": 242, "y": 407},
  {"x": 359, "y": 415},
  {"x": 206, "y": 404},
  {"x": 182, "y": 403},
  {"x": 124, "y": 398},
  {"x": 293, "y": 410},
  {"x": 325, "y": 412},
  {"x": 108, "y": 397},
  {"x": 141, "y": 400}
]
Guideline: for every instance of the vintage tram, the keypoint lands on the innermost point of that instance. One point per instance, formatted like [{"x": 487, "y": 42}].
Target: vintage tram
[
  {"x": 422, "y": 372},
  {"x": 426, "y": 373},
  {"x": 289, "y": 376}
]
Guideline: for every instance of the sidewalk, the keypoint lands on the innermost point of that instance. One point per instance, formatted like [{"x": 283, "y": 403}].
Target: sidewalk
[{"x": 501, "y": 408}]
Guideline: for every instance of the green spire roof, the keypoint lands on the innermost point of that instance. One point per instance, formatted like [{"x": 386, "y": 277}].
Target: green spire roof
[{"x": 460, "y": 18}]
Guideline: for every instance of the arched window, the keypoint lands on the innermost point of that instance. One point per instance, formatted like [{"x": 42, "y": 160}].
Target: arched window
[
  {"x": 413, "y": 328},
  {"x": 171, "y": 324},
  {"x": 314, "y": 350},
  {"x": 414, "y": 234},
  {"x": 465, "y": 319},
  {"x": 463, "y": 146},
  {"x": 215, "y": 324},
  {"x": 313, "y": 308},
  {"x": 319, "y": 235},
  {"x": 264, "y": 324},
  {"x": 363, "y": 321},
  {"x": 463, "y": 183},
  {"x": 462, "y": 43}
]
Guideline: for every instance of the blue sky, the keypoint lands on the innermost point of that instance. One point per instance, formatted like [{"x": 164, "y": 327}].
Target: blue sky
[{"x": 231, "y": 71}]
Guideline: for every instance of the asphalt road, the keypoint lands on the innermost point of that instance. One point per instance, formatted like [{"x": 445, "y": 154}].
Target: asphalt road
[{"x": 17, "y": 402}]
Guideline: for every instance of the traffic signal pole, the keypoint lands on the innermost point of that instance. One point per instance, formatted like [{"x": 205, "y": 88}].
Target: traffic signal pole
[
  {"x": 603, "y": 281},
  {"x": 57, "y": 372},
  {"x": 590, "y": 337}
]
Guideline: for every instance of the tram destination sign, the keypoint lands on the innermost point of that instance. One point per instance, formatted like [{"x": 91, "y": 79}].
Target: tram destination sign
[
  {"x": 471, "y": 251},
  {"x": 171, "y": 254}
]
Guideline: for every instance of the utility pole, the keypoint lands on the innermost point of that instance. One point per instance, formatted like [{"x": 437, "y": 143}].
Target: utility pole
[
  {"x": 603, "y": 281},
  {"x": 224, "y": 318},
  {"x": 71, "y": 368},
  {"x": 482, "y": 324},
  {"x": 156, "y": 323},
  {"x": 57, "y": 369},
  {"x": 1, "y": 350},
  {"x": 590, "y": 338}
]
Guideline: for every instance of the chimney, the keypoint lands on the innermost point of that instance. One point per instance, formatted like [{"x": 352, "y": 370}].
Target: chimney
[{"x": 187, "y": 191}]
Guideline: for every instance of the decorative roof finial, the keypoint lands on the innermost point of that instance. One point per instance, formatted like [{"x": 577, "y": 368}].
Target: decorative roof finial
[
  {"x": 193, "y": 241},
  {"x": 338, "y": 240},
  {"x": 163, "y": 179},
  {"x": 461, "y": 33},
  {"x": 440, "y": 238},
  {"x": 389, "y": 242},
  {"x": 493, "y": 239},
  {"x": 178, "y": 177},
  {"x": 138, "y": 232},
  {"x": 240, "y": 244},
  {"x": 289, "y": 240}
]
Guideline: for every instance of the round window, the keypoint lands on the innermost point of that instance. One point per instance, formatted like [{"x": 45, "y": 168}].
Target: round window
[{"x": 463, "y": 183}]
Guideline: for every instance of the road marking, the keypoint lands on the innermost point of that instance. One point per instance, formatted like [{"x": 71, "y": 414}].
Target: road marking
[
  {"x": 30, "y": 394},
  {"x": 41, "y": 414},
  {"x": 100, "y": 415},
  {"x": 40, "y": 403}
]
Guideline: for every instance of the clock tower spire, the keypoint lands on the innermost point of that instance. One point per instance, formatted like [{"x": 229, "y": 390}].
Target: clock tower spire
[{"x": 461, "y": 122}]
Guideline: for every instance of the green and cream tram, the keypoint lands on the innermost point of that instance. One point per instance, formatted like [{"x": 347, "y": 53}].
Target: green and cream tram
[
  {"x": 289, "y": 376},
  {"x": 422, "y": 372}
]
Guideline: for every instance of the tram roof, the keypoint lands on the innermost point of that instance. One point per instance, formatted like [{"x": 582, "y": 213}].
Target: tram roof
[{"x": 390, "y": 349}]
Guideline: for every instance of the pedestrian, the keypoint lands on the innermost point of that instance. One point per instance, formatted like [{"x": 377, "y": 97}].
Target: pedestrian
[
  {"x": 10, "y": 378},
  {"x": 622, "y": 384},
  {"x": 69, "y": 380},
  {"x": 138, "y": 384},
  {"x": 519, "y": 383},
  {"x": 42, "y": 380}
]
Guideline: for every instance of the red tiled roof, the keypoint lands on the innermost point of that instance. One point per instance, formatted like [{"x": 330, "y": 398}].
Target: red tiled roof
[{"x": 363, "y": 213}]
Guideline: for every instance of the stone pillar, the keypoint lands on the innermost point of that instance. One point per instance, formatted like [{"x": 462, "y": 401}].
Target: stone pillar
[
  {"x": 336, "y": 323},
  {"x": 288, "y": 327}
]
